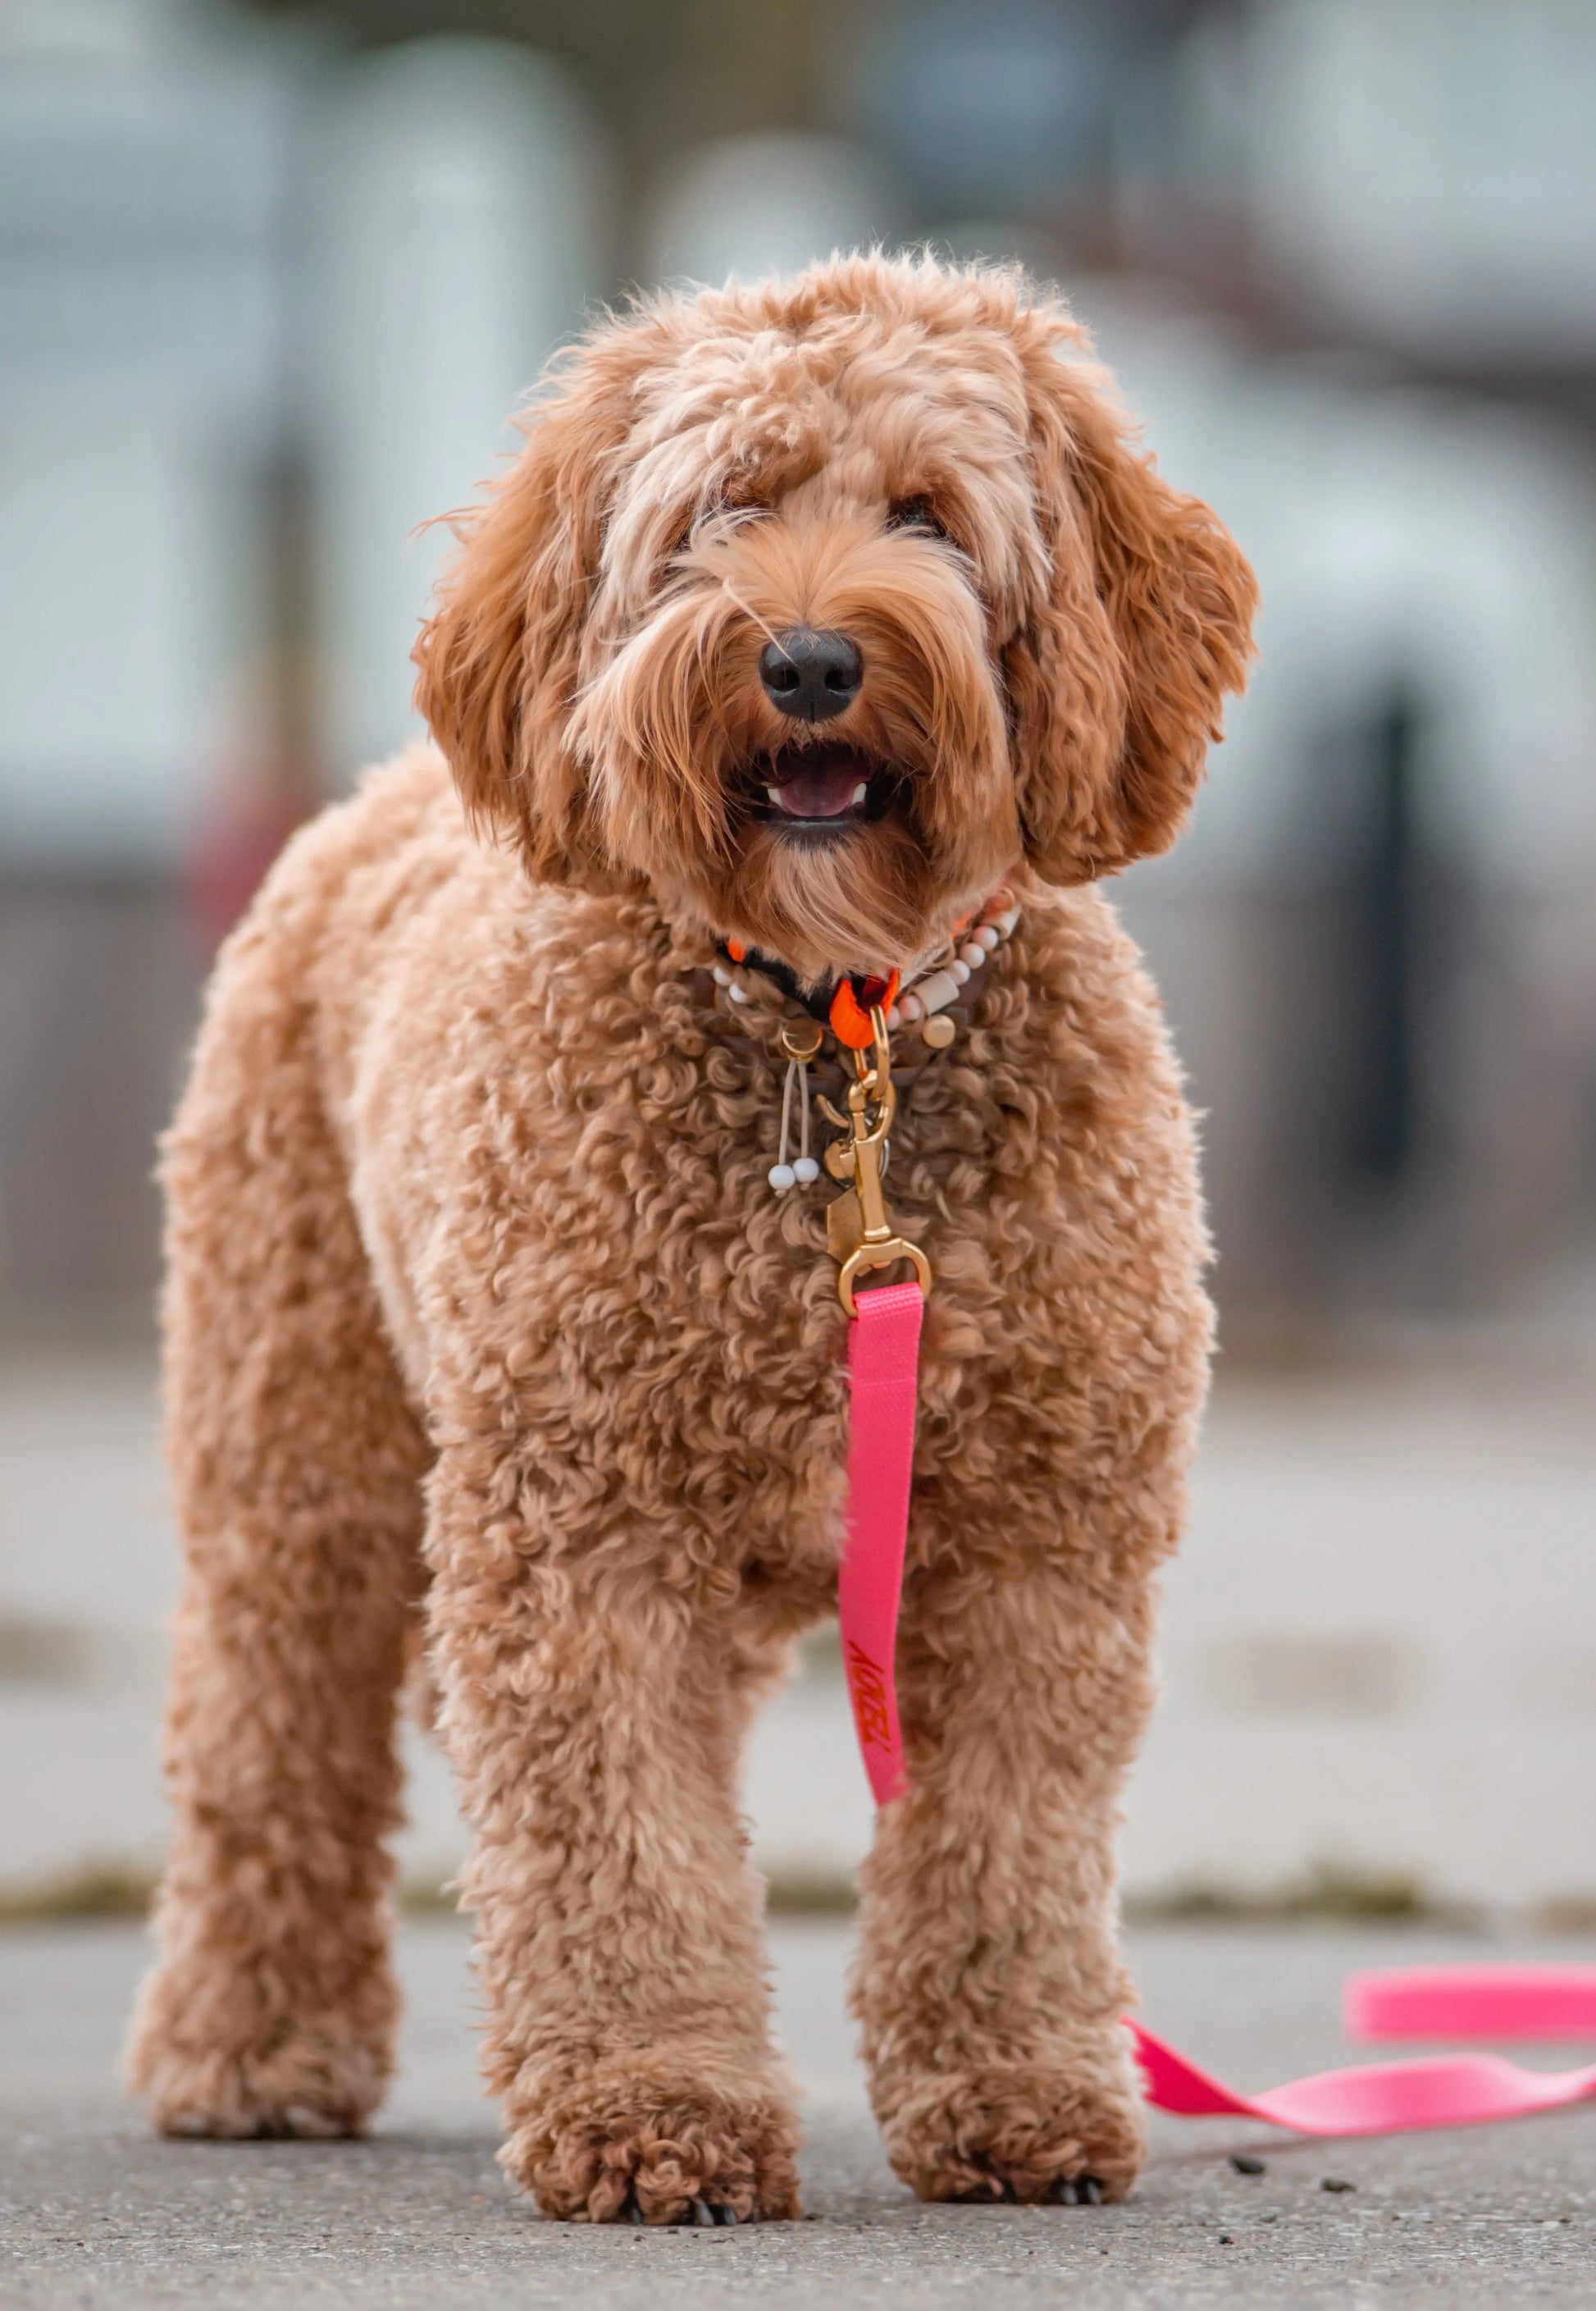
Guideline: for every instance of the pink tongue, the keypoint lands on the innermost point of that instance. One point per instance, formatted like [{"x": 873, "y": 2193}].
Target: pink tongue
[{"x": 826, "y": 790}]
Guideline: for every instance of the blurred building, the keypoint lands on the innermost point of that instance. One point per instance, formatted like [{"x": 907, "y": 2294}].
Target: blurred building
[
  {"x": 272, "y": 278},
  {"x": 146, "y": 283},
  {"x": 456, "y": 229}
]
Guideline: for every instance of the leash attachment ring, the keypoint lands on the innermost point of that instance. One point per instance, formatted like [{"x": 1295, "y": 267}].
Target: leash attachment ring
[{"x": 885, "y": 1254}]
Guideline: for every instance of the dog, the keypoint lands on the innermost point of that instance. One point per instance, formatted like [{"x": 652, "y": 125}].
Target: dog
[{"x": 808, "y": 617}]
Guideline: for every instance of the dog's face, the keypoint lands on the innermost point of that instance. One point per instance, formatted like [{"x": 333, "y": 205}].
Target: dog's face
[{"x": 818, "y": 607}]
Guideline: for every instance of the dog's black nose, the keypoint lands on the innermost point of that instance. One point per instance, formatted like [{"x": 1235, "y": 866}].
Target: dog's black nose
[{"x": 810, "y": 674}]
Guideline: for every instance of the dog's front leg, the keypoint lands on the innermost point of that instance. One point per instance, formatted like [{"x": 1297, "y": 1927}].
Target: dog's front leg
[
  {"x": 989, "y": 1982},
  {"x": 589, "y": 1711}
]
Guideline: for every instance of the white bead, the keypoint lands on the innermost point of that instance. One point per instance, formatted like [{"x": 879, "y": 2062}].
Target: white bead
[
  {"x": 806, "y": 1170},
  {"x": 957, "y": 972},
  {"x": 1006, "y": 922},
  {"x": 972, "y": 957},
  {"x": 721, "y": 976},
  {"x": 738, "y": 994},
  {"x": 781, "y": 1176},
  {"x": 908, "y": 1008},
  {"x": 938, "y": 990},
  {"x": 895, "y": 1017},
  {"x": 988, "y": 938}
]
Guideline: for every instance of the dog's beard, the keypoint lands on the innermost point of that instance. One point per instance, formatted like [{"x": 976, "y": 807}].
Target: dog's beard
[
  {"x": 679, "y": 739},
  {"x": 858, "y": 901},
  {"x": 867, "y": 899}
]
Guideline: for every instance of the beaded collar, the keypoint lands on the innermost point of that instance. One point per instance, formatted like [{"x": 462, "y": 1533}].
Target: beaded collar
[{"x": 933, "y": 996}]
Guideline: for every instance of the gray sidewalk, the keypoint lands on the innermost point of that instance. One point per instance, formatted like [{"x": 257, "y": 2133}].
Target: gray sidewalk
[{"x": 95, "y": 2212}]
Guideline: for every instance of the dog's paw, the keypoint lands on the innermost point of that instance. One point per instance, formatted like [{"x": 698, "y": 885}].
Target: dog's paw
[
  {"x": 1033, "y": 2134},
  {"x": 231, "y": 2076},
  {"x": 641, "y": 2146},
  {"x": 302, "y": 2089}
]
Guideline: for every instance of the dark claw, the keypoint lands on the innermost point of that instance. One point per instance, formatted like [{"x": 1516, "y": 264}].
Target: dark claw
[
  {"x": 634, "y": 2212},
  {"x": 726, "y": 2217},
  {"x": 702, "y": 2215},
  {"x": 1088, "y": 2192}
]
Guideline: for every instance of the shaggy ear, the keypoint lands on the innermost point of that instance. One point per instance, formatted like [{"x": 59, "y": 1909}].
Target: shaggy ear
[
  {"x": 1117, "y": 677},
  {"x": 499, "y": 659}
]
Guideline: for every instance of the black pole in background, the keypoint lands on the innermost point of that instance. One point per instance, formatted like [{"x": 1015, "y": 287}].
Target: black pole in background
[{"x": 1386, "y": 905}]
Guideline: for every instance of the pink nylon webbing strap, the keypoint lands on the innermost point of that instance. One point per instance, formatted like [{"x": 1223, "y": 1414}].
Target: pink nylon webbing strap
[
  {"x": 1425, "y": 2001},
  {"x": 884, "y": 1367}
]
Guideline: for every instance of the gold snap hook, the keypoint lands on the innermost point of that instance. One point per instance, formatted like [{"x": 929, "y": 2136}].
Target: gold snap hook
[{"x": 875, "y": 1243}]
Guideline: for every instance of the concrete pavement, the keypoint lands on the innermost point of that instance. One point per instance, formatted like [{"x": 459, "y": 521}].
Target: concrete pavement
[{"x": 94, "y": 2212}]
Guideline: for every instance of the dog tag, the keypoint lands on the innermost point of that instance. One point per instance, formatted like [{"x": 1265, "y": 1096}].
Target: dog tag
[{"x": 845, "y": 1226}]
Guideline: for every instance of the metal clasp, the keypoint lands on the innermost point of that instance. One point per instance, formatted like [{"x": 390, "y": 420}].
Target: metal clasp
[{"x": 860, "y": 1159}]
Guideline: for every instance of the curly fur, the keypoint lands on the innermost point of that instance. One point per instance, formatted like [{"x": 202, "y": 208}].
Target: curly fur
[{"x": 479, "y": 1307}]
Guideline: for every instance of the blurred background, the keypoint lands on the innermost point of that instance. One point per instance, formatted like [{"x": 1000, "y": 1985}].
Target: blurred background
[{"x": 271, "y": 280}]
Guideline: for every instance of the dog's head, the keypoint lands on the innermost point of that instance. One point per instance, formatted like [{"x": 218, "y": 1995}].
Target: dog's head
[{"x": 818, "y": 606}]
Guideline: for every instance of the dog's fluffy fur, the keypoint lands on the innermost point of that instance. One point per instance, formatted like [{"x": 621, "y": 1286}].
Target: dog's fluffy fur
[{"x": 481, "y": 1310}]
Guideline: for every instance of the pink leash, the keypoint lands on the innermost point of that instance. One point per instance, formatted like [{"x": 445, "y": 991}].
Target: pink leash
[
  {"x": 884, "y": 1368},
  {"x": 1421, "y": 2001},
  {"x": 1459, "y": 2002}
]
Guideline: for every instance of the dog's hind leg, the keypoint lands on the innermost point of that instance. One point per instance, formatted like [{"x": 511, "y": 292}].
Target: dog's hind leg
[{"x": 297, "y": 1466}]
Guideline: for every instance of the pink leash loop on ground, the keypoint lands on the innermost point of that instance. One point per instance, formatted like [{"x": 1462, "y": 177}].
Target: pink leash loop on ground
[
  {"x": 1497, "y": 2001},
  {"x": 884, "y": 1368}
]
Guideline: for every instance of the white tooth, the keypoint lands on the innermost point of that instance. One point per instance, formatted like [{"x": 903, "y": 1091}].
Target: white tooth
[
  {"x": 859, "y": 793},
  {"x": 774, "y": 795}
]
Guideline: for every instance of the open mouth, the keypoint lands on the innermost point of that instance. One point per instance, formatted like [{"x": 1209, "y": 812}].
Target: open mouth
[{"x": 819, "y": 789}]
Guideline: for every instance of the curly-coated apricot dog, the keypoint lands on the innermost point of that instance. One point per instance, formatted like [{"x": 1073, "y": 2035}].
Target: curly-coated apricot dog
[{"x": 814, "y": 624}]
